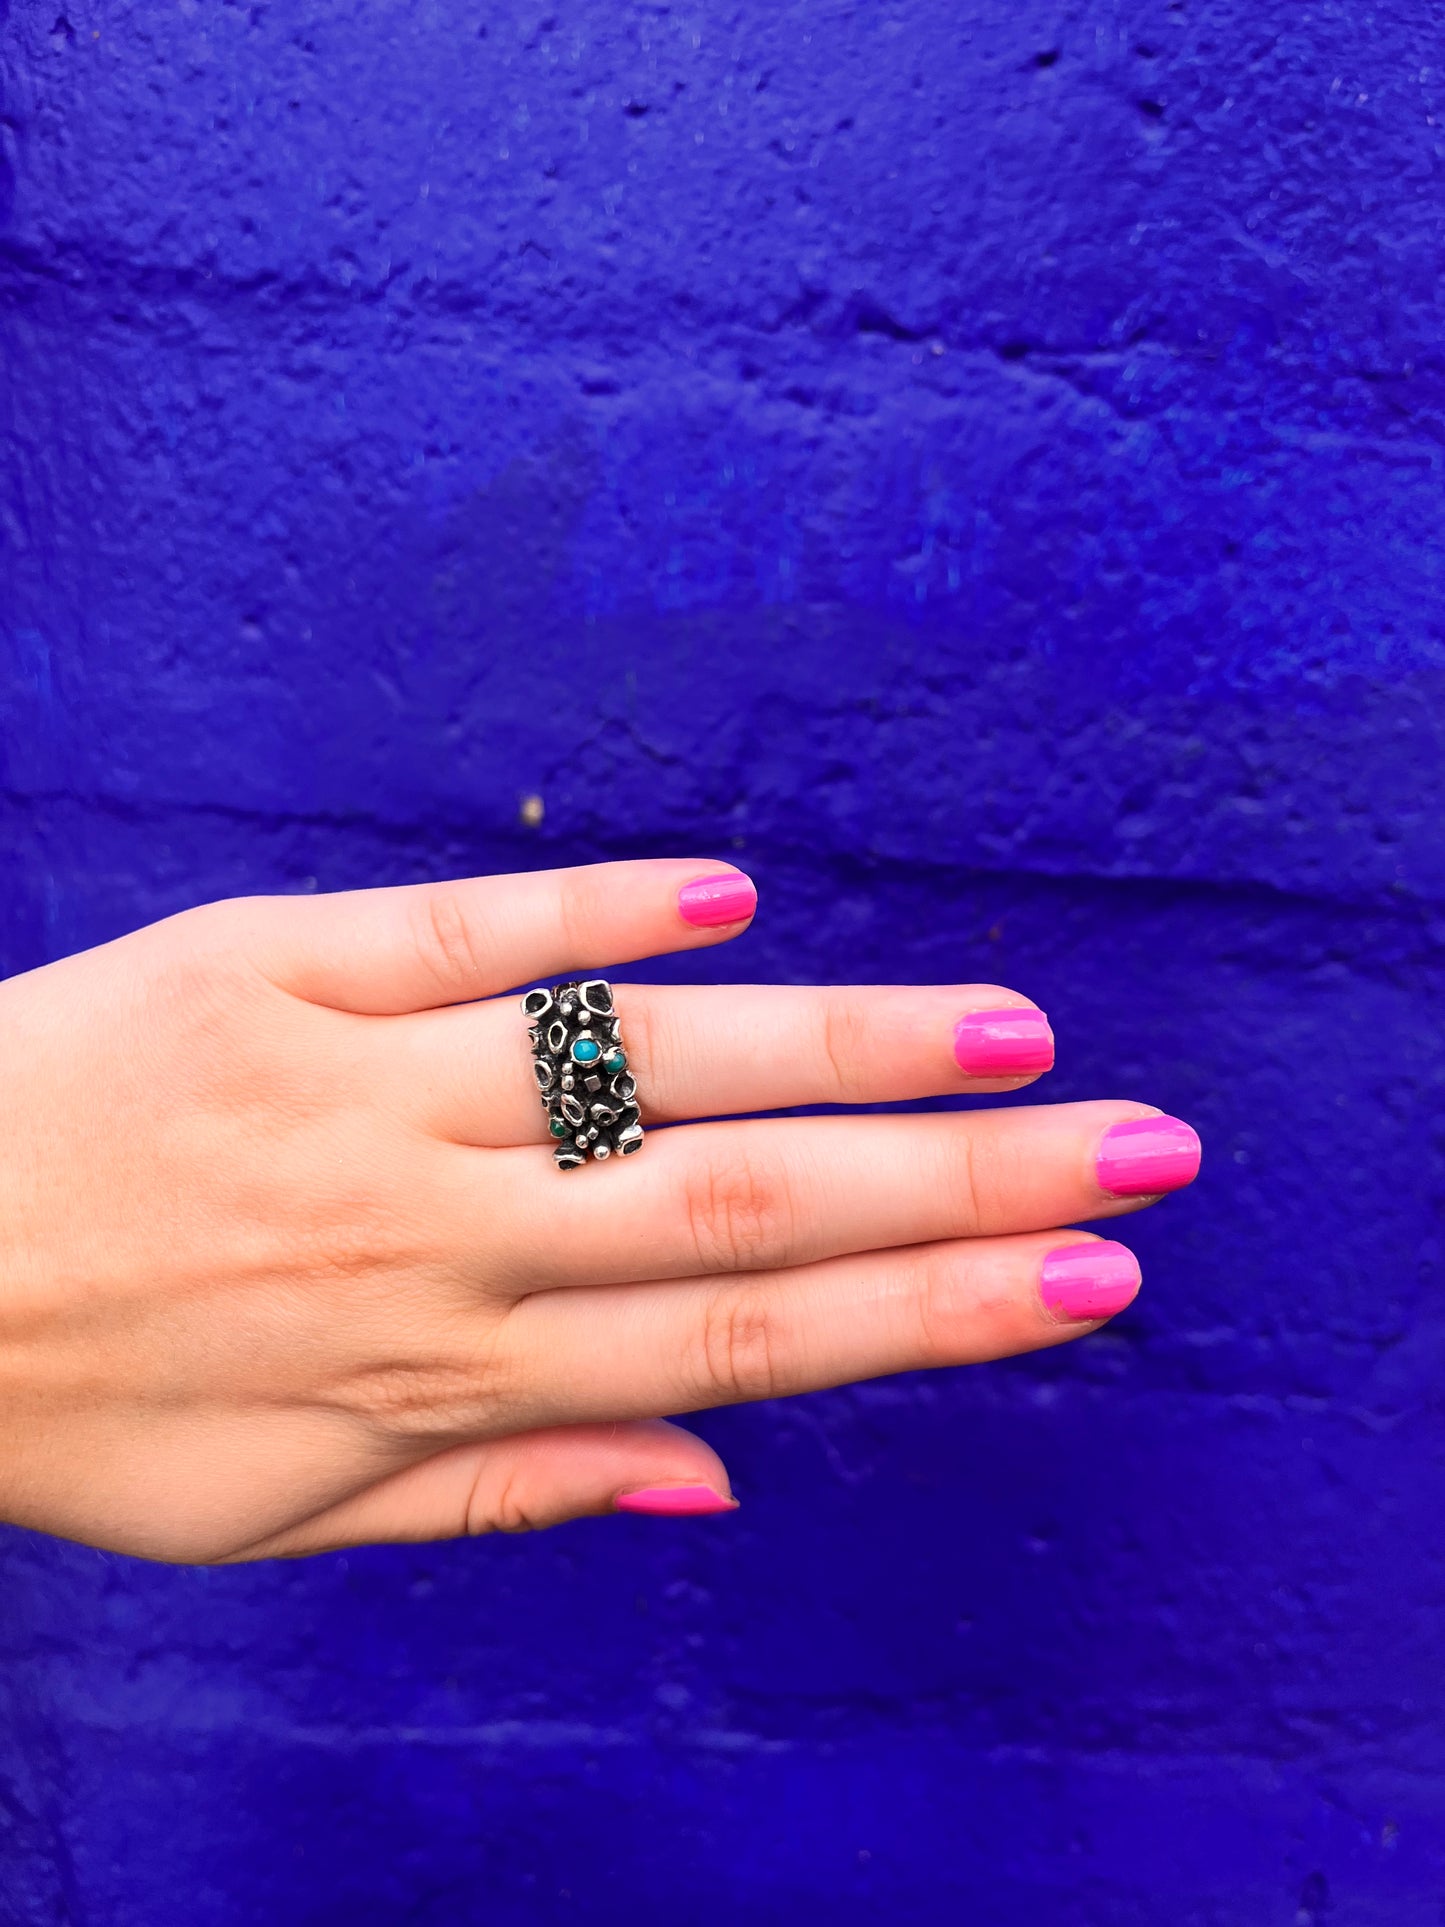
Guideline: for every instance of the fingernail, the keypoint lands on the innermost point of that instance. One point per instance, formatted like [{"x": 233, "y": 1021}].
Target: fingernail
[
  {"x": 709, "y": 901},
  {"x": 1003, "y": 1043},
  {"x": 1147, "y": 1154},
  {"x": 675, "y": 1501},
  {"x": 1095, "y": 1280}
]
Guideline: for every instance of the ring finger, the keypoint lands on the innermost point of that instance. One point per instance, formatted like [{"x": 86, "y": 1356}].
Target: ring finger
[
  {"x": 623, "y": 1352},
  {"x": 753, "y": 1196}
]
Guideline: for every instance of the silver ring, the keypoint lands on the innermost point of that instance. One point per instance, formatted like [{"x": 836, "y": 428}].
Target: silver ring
[{"x": 587, "y": 1090}]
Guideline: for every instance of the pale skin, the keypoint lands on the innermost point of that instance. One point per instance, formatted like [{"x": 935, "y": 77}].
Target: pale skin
[{"x": 287, "y": 1265}]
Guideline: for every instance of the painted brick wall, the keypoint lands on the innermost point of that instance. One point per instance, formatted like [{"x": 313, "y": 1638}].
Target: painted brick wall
[{"x": 981, "y": 466}]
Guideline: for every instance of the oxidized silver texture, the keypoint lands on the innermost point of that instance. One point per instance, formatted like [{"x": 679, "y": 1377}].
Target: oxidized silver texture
[{"x": 587, "y": 1090}]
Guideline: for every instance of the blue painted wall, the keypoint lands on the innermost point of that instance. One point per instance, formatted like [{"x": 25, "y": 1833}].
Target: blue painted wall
[{"x": 980, "y": 466}]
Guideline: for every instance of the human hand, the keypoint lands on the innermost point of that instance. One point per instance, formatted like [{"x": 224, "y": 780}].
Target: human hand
[{"x": 285, "y": 1265}]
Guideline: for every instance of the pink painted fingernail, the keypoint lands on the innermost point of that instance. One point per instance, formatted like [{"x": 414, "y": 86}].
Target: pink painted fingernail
[
  {"x": 1095, "y": 1280},
  {"x": 1003, "y": 1043},
  {"x": 709, "y": 901},
  {"x": 1146, "y": 1155},
  {"x": 675, "y": 1501}
]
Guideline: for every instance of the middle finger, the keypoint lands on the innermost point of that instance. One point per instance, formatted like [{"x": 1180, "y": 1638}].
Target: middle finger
[{"x": 715, "y": 1050}]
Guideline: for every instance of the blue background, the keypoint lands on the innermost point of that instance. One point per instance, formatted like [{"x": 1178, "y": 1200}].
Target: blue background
[{"x": 980, "y": 468}]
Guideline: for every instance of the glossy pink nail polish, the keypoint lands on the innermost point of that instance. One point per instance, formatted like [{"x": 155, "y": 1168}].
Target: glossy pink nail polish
[
  {"x": 1146, "y": 1155},
  {"x": 1095, "y": 1280},
  {"x": 675, "y": 1501},
  {"x": 709, "y": 901},
  {"x": 1003, "y": 1043}
]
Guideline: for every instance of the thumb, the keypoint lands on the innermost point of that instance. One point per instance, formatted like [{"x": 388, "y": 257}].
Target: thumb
[{"x": 519, "y": 1485}]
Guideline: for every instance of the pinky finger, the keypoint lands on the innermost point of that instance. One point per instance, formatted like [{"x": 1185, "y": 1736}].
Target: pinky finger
[
  {"x": 636, "y": 1350},
  {"x": 520, "y": 1484}
]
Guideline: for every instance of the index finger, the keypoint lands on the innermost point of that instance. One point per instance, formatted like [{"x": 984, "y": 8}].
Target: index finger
[{"x": 419, "y": 946}]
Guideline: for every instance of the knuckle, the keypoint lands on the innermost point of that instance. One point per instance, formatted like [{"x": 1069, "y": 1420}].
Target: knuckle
[
  {"x": 196, "y": 961},
  {"x": 397, "y": 1396},
  {"x": 449, "y": 944},
  {"x": 737, "y": 1347},
  {"x": 939, "y": 1306},
  {"x": 215, "y": 928},
  {"x": 960, "y": 1306},
  {"x": 430, "y": 1394},
  {"x": 646, "y": 1035},
  {"x": 843, "y": 1039},
  {"x": 417, "y": 1403},
  {"x": 223, "y": 1031},
  {"x": 965, "y": 1175},
  {"x": 932, "y": 1286},
  {"x": 505, "y": 1511},
  {"x": 738, "y": 1215},
  {"x": 350, "y": 1209},
  {"x": 347, "y": 1245},
  {"x": 584, "y": 907}
]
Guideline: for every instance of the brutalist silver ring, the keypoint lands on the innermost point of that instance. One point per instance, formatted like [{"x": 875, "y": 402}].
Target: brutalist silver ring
[{"x": 587, "y": 1091}]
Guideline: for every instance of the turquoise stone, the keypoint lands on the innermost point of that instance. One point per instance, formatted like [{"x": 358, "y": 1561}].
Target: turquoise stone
[
  {"x": 586, "y": 1050},
  {"x": 616, "y": 1059}
]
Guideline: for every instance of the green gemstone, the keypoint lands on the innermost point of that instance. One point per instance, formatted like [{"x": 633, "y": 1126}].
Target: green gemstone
[
  {"x": 586, "y": 1050},
  {"x": 559, "y": 1127},
  {"x": 616, "y": 1059}
]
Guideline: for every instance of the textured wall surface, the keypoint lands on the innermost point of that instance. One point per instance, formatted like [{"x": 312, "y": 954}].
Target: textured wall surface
[{"x": 981, "y": 466}]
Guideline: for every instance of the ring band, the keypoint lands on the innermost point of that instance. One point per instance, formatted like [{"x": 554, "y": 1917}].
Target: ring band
[{"x": 587, "y": 1091}]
